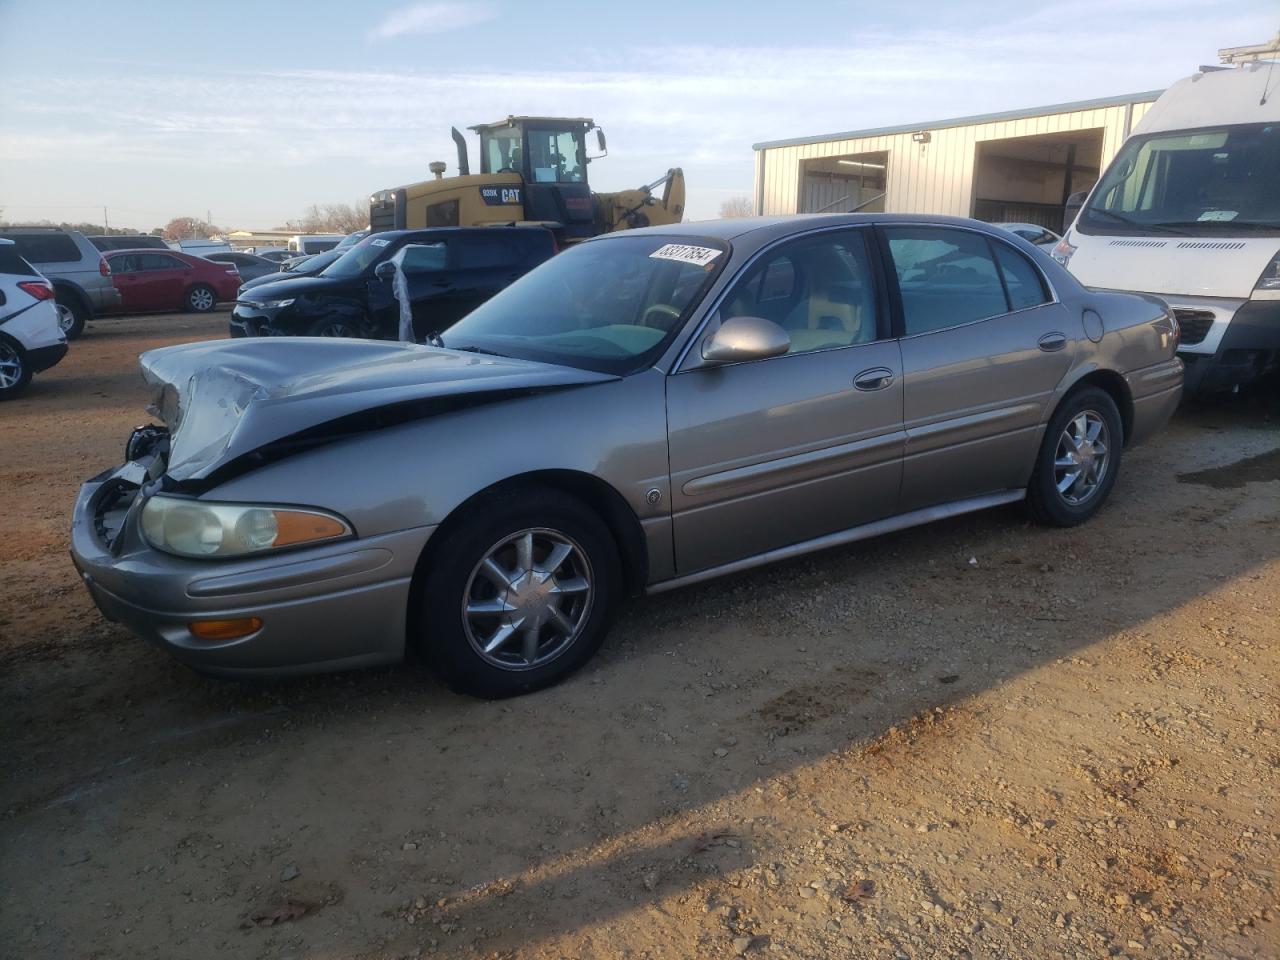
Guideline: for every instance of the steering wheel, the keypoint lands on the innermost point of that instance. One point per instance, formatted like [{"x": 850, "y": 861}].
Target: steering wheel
[{"x": 662, "y": 310}]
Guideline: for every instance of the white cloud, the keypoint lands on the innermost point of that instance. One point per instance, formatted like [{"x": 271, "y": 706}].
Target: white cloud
[{"x": 430, "y": 18}]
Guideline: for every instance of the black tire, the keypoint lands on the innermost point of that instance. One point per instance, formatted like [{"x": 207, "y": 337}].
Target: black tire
[
  {"x": 201, "y": 298},
  {"x": 15, "y": 370},
  {"x": 444, "y": 641},
  {"x": 334, "y": 327},
  {"x": 72, "y": 315},
  {"x": 1052, "y": 507}
]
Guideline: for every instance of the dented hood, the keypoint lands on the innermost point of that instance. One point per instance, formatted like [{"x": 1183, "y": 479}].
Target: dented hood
[{"x": 227, "y": 398}]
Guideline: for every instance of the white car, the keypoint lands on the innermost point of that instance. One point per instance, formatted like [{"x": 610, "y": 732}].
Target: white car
[{"x": 30, "y": 338}]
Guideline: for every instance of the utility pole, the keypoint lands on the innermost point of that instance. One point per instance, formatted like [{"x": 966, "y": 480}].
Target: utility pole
[{"x": 106, "y": 224}]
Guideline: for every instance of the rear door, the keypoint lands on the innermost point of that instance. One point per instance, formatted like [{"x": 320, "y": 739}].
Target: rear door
[
  {"x": 128, "y": 278},
  {"x": 984, "y": 345},
  {"x": 166, "y": 279},
  {"x": 774, "y": 452}
]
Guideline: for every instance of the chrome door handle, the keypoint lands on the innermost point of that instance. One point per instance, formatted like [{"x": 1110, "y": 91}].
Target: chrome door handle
[
  {"x": 1051, "y": 342},
  {"x": 876, "y": 378}
]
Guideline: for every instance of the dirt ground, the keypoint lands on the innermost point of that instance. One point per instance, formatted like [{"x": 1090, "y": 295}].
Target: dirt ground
[{"x": 976, "y": 739}]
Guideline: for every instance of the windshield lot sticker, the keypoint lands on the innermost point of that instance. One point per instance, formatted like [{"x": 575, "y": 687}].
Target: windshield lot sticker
[
  {"x": 698, "y": 256},
  {"x": 379, "y": 242},
  {"x": 1219, "y": 215}
]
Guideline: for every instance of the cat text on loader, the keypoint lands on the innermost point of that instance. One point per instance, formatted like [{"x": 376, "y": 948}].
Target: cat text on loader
[{"x": 533, "y": 170}]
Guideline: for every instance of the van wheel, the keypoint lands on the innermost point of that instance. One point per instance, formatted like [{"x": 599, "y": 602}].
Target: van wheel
[
  {"x": 522, "y": 596},
  {"x": 71, "y": 316},
  {"x": 15, "y": 372},
  {"x": 201, "y": 298},
  {"x": 1079, "y": 459}
]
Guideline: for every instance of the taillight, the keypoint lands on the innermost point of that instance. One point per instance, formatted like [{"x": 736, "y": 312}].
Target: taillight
[
  {"x": 104, "y": 268},
  {"x": 1177, "y": 330},
  {"x": 40, "y": 289}
]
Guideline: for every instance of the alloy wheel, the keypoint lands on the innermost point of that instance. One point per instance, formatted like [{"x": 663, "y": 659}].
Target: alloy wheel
[
  {"x": 528, "y": 599},
  {"x": 66, "y": 318},
  {"x": 202, "y": 299},
  {"x": 1081, "y": 459},
  {"x": 10, "y": 367}
]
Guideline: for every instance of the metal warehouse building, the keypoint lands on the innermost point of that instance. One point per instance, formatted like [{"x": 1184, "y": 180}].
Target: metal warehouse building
[{"x": 1015, "y": 166}]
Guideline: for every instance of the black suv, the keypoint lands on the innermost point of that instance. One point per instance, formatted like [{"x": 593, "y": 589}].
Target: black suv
[{"x": 447, "y": 272}]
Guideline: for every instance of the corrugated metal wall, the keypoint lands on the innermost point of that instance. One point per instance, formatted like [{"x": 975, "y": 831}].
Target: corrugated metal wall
[{"x": 936, "y": 177}]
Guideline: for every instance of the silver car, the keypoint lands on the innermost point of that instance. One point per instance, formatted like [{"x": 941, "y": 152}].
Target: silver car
[{"x": 647, "y": 410}]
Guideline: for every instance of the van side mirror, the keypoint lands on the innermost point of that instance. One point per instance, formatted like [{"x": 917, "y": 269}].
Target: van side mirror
[
  {"x": 386, "y": 270},
  {"x": 745, "y": 338}
]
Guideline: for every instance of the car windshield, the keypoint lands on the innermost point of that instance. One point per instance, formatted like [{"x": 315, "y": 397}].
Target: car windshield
[
  {"x": 354, "y": 260},
  {"x": 610, "y": 305},
  {"x": 1206, "y": 182}
]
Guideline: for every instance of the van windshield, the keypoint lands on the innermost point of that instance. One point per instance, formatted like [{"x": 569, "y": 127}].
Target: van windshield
[{"x": 1208, "y": 182}]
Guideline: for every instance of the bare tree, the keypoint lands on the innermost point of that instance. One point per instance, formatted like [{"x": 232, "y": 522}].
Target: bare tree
[
  {"x": 187, "y": 228},
  {"x": 333, "y": 218},
  {"x": 738, "y": 206}
]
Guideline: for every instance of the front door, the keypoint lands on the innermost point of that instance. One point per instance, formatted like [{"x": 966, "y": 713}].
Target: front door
[
  {"x": 984, "y": 347},
  {"x": 774, "y": 452}
]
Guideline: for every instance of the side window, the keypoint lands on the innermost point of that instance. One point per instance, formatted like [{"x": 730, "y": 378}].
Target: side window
[
  {"x": 47, "y": 247},
  {"x": 125, "y": 263},
  {"x": 1021, "y": 279},
  {"x": 159, "y": 261},
  {"x": 947, "y": 277},
  {"x": 479, "y": 252},
  {"x": 423, "y": 258},
  {"x": 820, "y": 290}
]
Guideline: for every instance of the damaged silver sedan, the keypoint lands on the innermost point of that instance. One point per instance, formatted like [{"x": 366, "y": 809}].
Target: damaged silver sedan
[{"x": 647, "y": 410}]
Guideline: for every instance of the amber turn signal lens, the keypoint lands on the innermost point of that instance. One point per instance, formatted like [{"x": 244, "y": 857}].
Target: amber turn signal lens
[
  {"x": 294, "y": 527},
  {"x": 224, "y": 629}
]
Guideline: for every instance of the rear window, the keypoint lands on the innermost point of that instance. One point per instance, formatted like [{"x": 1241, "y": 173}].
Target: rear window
[
  {"x": 478, "y": 252},
  {"x": 46, "y": 247},
  {"x": 11, "y": 262}
]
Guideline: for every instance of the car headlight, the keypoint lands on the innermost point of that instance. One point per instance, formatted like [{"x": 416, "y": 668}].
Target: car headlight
[
  {"x": 194, "y": 528},
  {"x": 1270, "y": 279},
  {"x": 277, "y": 303},
  {"x": 1062, "y": 251}
]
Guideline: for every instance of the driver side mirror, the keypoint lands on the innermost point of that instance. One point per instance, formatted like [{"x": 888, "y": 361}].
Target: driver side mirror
[
  {"x": 386, "y": 270},
  {"x": 745, "y": 338}
]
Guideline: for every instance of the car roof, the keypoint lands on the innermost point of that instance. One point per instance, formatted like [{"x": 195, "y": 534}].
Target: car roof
[{"x": 765, "y": 229}]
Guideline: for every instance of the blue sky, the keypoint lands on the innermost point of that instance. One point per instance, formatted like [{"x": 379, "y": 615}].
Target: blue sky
[{"x": 255, "y": 110}]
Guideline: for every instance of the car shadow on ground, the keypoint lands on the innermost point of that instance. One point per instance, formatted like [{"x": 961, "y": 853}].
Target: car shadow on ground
[{"x": 611, "y": 791}]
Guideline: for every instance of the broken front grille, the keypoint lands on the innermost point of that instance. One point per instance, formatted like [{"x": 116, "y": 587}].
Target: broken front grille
[{"x": 1194, "y": 325}]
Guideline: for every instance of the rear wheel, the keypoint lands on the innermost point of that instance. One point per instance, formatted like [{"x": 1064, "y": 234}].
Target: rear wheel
[
  {"x": 15, "y": 371},
  {"x": 1079, "y": 459},
  {"x": 522, "y": 594},
  {"x": 201, "y": 298},
  {"x": 71, "y": 316}
]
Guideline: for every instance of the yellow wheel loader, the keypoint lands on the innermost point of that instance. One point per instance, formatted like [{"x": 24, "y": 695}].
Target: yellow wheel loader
[{"x": 533, "y": 170}]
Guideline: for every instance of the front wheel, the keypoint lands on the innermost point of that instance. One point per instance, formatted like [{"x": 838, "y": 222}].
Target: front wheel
[
  {"x": 15, "y": 371},
  {"x": 333, "y": 327},
  {"x": 520, "y": 595},
  {"x": 1078, "y": 461},
  {"x": 201, "y": 298}
]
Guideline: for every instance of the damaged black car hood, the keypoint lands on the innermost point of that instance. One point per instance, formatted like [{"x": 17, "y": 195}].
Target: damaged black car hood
[{"x": 227, "y": 398}]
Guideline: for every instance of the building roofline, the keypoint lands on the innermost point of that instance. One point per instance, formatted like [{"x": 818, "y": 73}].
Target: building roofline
[{"x": 966, "y": 121}]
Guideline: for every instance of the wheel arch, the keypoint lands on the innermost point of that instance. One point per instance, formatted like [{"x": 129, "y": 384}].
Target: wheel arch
[
  {"x": 601, "y": 497},
  {"x": 1113, "y": 384},
  {"x": 74, "y": 291}
]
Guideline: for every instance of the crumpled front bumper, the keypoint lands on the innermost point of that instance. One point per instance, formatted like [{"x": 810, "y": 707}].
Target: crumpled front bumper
[{"x": 331, "y": 607}]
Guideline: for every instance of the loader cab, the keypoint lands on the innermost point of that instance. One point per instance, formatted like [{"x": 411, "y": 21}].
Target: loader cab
[{"x": 550, "y": 155}]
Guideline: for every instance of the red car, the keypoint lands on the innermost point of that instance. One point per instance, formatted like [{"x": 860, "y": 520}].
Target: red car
[{"x": 168, "y": 280}]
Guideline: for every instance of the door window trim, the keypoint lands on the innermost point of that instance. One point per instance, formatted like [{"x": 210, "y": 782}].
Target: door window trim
[
  {"x": 879, "y": 279},
  {"x": 891, "y": 276}
]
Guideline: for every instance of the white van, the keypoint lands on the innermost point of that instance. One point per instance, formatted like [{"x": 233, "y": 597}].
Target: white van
[
  {"x": 315, "y": 243},
  {"x": 1189, "y": 210}
]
